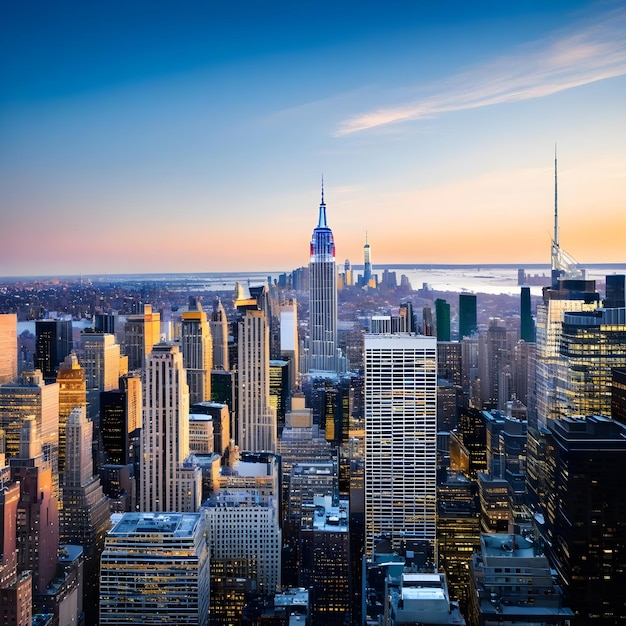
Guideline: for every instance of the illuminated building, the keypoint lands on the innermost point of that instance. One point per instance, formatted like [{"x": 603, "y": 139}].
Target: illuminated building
[
  {"x": 141, "y": 332},
  {"x": 197, "y": 348},
  {"x": 155, "y": 568},
  {"x": 323, "y": 350},
  {"x": 219, "y": 414},
  {"x": 618, "y": 395},
  {"x": 169, "y": 481},
  {"x": 400, "y": 436},
  {"x": 279, "y": 390},
  {"x": 72, "y": 394},
  {"x": 8, "y": 348},
  {"x": 219, "y": 333}
]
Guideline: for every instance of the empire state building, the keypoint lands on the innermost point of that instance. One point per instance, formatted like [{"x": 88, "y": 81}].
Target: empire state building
[{"x": 323, "y": 351}]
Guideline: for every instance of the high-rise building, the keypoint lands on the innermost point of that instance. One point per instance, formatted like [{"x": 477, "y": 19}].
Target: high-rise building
[
  {"x": 8, "y": 348},
  {"x": 615, "y": 292},
  {"x": 400, "y": 437},
  {"x": 141, "y": 332},
  {"x": 323, "y": 297},
  {"x": 442, "y": 319},
  {"x": 72, "y": 394},
  {"x": 219, "y": 333},
  {"x": 220, "y": 416},
  {"x": 368, "y": 278},
  {"x": 169, "y": 482},
  {"x": 468, "y": 320},
  {"x": 84, "y": 519},
  {"x": 54, "y": 343},
  {"x": 279, "y": 390},
  {"x": 495, "y": 357},
  {"x": 197, "y": 349},
  {"x": 155, "y": 568},
  {"x": 102, "y": 360},
  {"x": 618, "y": 395},
  {"x": 584, "y": 515},
  {"x": 527, "y": 324},
  {"x": 289, "y": 341},
  {"x": 256, "y": 418},
  {"x": 37, "y": 518}
]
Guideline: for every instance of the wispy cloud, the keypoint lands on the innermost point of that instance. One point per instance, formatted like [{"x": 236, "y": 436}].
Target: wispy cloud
[{"x": 594, "y": 52}]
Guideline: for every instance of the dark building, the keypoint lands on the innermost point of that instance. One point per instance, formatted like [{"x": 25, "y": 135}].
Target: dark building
[
  {"x": 105, "y": 323},
  {"x": 473, "y": 433},
  {"x": 468, "y": 320},
  {"x": 442, "y": 320},
  {"x": 527, "y": 324},
  {"x": 615, "y": 292},
  {"x": 53, "y": 343},
  {"x": 279, "y": 390},
  {"x": 584, "y": 513},
  {"x": 618, "y": 395}
]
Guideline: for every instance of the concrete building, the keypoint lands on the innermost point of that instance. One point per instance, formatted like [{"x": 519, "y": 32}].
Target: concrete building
[
  {"x": 8, "y": 348},
  {"x": 219, "y": 334},
  {"x": 400, "y": 437},
  {"x": 155, "y": 568},
  {"x": 141, "y": 333},
  {"x": 197, "y": 348}
]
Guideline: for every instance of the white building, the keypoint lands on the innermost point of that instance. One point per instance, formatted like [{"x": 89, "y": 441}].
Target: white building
[
  {"x": 155, "y": 568},
  {"x": 169, "y": 481},
  {"x": 400, "y": 436}
]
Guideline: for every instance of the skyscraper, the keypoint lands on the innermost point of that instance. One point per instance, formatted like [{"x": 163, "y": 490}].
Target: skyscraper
[
  {"x": 54, "y": 343},
  {"x": 615, "y": 291},
  {"x": 323, "y": 296},
  {"x": 442, "y": 319},
  {"x": 468, "y": 324},
  {"x": 367, "y": 264},
  {"x": 400, "y": 437},
  {"x": 219, "y": 333},
  {"x": 8, "y": 348},
  {"x": 197, "y": 348},
  {"x": 141, "y": 332},
  {"x": 168, "y": 481},
  {"x": 527, "y": 324}
]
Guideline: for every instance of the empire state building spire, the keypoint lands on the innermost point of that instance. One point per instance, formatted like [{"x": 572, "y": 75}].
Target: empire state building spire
[{"x": 323, "y": 350}]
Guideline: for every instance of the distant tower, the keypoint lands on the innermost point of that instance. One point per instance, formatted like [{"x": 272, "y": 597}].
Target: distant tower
[
  {"x": 8, "y": 348},
  {"x": 527, "y": 325},
  {"x": 400, "y": 432},
  {"x": 54, "y": 343},
  {"x": 614, "y": 292},
  {"x": 289, "y": 341},
  {"x": 323, "y": 296},
  {"x": 348, "y": 273},
  {"x": 367, "y": 263},
  {"x": 468, "y": 324},
  {"x": 442, "y": 320},
  {"x": 167, "y": 482},
  {"x": 219, "y": 333},
  {"x": 197, "y": 347},
  {"x": 141, "y": 332}
]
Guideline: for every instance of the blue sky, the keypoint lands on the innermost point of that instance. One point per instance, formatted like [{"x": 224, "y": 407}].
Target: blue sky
[{"x": 192, "y": 136}]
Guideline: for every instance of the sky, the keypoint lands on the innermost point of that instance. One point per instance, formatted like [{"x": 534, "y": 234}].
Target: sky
[{"x": 154, "y": 137}]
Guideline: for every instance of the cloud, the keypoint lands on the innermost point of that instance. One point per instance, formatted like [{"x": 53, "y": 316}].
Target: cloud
[{"x": 593, "y": 53}]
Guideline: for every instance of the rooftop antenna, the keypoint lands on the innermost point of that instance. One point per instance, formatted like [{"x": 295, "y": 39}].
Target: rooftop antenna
[{"x": 556, "y": 202}]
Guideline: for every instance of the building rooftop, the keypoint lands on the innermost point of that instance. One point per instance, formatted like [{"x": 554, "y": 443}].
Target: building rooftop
[{"x": 173, "y": 524}]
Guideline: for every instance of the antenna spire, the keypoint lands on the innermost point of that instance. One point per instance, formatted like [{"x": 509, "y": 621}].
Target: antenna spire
[
  {"x": 556, "y": 201},
  {"x": 322, "y": 188}
]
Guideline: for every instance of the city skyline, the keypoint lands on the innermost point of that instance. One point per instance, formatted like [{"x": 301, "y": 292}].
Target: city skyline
[{"x": 150, "y": 138}]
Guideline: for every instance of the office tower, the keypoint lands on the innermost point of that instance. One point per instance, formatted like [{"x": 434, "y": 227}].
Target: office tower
[
  {"x": 348, "y": 278},
  {"x": 8, "y": 348},
  {"x": 219, "y": 333},
  {"x": 201, "y": 435},
  {"x": 368, "y": 278},
  {"x": 449, "y": 403},
  {"x": 468, "y": 447},
  {"x": 37, "y": 514},
  {"x": 323, "y": 297},
  {"x": 388, "y": 280},
  {"x": 497, "y": 589},
  {"x": 155, "y": 568},
  {"x": 408, "y": 317},
  {"x": 244, "y": 534},
  {"x": 169, "y": 482},
  {"x": 105, "y": 323},
  {"x": 197, "y": 349},
  {"x": 449, "y": 361},
  {"x": 495, "y": 356},
  {"x": 442, "y": 320},
  {"x": 458, "y": 531},
  {"x": 524, "y": 363},
  {"x": 54, "y": 343},
  {"x": 84, "y": 518},
  {"x": 584, "y": 515},
  {"x": 400, "y": 436},
  {"x": 325, "y": 560},
  {"x": 219, "y": 414},
  {"x": 618, "y": 395},
  {"x": 30, "y": 396},
  {"x": 256, "y": 418},
  {"x": 592, "y": 345},
  {"x": 16, "y": 591},
  {"x": 72, "y": 394},
  {"x": 615, "y": 292},
  {"x": 289, "y": 341},
  {"x": 279, "y": 390},
  {"x": 141, "y": 332},
  {"x": 120, "y": 421},
  {"x": 101, "y": 359},
  {"x": 527, "y": 324},
  {"x": 468, "y": 320}
]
